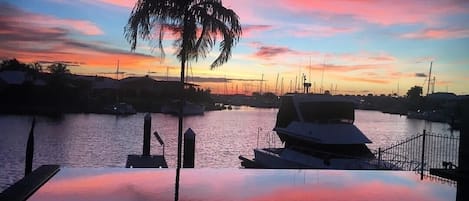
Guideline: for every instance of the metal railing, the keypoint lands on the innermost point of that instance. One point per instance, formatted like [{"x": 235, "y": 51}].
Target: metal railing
[{"x": 421, "y": 152}]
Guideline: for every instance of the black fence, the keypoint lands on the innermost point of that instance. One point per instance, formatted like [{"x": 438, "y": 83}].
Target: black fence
[{"x": 420, "y": 153}]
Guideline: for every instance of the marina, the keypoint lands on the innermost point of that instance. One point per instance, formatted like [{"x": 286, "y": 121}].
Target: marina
[
  {"x": 380, "y": 113},
  {"x": 222, "y": 136}
]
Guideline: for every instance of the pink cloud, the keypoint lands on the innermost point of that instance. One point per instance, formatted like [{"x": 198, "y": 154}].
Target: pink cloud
[
  {"x": 321, "y": 31},
  {"x": 438, "y": 34},
  {"x": 250, "y": 30},
  {"x": 267, "y": 52},
  {"x": 121, "y": 3},
  {"x": 380, "y": 12}
]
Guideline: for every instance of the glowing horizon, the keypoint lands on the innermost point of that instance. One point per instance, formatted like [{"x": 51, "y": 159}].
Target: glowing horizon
[{"x": 351, "y": 47}]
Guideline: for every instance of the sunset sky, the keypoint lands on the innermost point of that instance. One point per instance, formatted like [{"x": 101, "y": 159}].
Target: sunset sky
[{"x": 353, "y": 47}]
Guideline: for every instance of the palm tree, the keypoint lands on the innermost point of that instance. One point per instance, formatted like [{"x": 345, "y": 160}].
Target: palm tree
[
  {"x": 58, "y": 69},
  {"x": 195, "y": 23}
]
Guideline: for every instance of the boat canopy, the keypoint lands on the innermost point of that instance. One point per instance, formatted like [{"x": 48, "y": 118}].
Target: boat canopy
[
  {"x": 314, "y": 109},
  {"x": 325, "y": 133},
  {"x": 327, "y": 112}
]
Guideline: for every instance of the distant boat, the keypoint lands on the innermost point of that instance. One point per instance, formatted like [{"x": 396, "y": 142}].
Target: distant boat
[
  {"x": 189, "y": 108},
  {"x": 120, "y": 109},
  {"x": 319, "y": 133}
]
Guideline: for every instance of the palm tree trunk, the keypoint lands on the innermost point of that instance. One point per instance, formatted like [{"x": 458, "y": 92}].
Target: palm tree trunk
[
  {"x": 180, "y": 124},
  {"x": 181, "y": 110}
]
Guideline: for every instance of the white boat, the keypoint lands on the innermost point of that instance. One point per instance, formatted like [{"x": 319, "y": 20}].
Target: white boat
[
  {"x": 318, "y": 132},
  {"x": 188, "y": 109}
]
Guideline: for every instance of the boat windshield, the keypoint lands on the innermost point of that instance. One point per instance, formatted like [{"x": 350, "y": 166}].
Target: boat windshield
[{"x": 327, "y": 112}]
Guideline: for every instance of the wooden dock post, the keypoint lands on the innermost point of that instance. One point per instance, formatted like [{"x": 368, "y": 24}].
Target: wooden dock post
[
  {"x": 146, "y": 160},
  {"x": 30, "y": 150},
  {"x": 189, "y": 149},
  {"x": 146, "y": 135}
]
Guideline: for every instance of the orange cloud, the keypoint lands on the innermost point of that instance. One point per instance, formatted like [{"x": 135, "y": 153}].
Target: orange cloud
[{"x": 33, "y": 41}]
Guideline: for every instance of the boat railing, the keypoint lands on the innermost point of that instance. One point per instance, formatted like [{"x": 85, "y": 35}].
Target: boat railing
[
  {"x": 269, "y": 138},
  {"x": 372, "y": 162},
  {"x": 421, "y": 152}
]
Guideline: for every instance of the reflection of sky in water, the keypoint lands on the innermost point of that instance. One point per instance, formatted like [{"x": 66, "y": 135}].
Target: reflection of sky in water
[
  {"x": 92, "y": 140},
  {"x": 240, "y": 184}
]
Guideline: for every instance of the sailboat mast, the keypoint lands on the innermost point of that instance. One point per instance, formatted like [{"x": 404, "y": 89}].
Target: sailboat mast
[
  {"x": 322, "y": 76},
  {"x": 429, "y": 78},
  {"x": 117, "y": 70},
  {"x": 260, "y": 86},
  {"x": 276, "y": 84},
  {"x": 167, "y": 73},
  {"x": 117, "y": 78}
]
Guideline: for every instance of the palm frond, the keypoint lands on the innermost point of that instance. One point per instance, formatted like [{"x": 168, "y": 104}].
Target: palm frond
[{"x": 197, "y": 23}]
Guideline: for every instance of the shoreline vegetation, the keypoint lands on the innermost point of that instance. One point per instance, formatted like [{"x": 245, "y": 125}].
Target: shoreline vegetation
[{"x": 28, "y": 89}]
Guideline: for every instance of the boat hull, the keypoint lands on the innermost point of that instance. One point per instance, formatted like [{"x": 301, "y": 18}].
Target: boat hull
[{"x": 284, "y": 158}]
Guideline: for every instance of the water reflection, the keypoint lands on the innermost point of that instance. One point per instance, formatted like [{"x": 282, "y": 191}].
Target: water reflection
[
  {"x": 235, "y": 184},
  {"x": 92, "y": 140}
]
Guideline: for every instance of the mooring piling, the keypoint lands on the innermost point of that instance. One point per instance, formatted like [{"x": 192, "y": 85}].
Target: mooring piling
[
  {"x": 30, "y": 150},
  {"x": 189, "y": 149},
  {"x": 146, "y": 135}
]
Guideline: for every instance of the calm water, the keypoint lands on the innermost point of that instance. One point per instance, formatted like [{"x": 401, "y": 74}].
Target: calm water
[{"x": 92, "y": 140}]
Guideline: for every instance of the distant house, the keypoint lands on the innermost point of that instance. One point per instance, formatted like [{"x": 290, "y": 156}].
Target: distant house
[
  {"x": 14, "y": 77},
  {"x": 442, "y": 97},
  {"x": 103, "y": 88},
  {"x": 138, "y": 86},
  {"x": 18, "y": 78},
  {"x": 104, "y": 83},
  {"x": 441, "y": 100}
]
